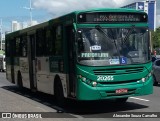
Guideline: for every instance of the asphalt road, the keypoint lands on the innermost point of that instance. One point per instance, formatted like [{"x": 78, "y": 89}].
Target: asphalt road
[{"x": 13, "y": 99}]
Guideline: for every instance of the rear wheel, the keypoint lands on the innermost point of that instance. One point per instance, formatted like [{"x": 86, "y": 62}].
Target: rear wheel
[
  {"x": 59, "y": 96},
  {"x": 19, "y": 80}
]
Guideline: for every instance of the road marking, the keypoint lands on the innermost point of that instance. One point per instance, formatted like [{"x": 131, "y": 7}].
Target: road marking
[
  {"x": 140, "y": 99},
  {"x": 77, "y": 116}
]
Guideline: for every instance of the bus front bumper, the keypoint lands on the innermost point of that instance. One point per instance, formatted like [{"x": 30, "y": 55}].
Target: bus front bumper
[{"x": 87, "y": 92}]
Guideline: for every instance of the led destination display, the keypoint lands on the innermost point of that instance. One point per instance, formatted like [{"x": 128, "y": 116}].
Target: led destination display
[{"x": 112, "y": 17}]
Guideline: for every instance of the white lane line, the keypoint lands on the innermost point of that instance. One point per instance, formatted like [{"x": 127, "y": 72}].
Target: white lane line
[
  {"x": 140, "y": 99},
  {"x": 77, "y": 116}
]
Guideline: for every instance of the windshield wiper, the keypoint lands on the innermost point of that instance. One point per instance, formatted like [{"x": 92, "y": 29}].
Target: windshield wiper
[
  {"x": 99, "y": 28},
  {"x": 129, "y": 32}
]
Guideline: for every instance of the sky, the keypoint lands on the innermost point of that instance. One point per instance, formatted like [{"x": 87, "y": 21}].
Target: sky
[{"x": 46, "y": 9}]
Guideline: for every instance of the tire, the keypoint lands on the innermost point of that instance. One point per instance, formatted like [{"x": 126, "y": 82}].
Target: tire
[
  {"x": 155, "y": 83},
  {"x": 19, "y": 80},
  {"x": 121, "y": 100},
  {"x": 59, "y": 96}
]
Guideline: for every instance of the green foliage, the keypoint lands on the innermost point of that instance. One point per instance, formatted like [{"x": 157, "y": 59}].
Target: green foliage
[
  {"x": 2, "y": 52},
  {"x": 156, "y": 38}
]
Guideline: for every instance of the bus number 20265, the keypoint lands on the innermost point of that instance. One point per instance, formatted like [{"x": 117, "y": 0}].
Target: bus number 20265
[{"x": 105, "y": 78}]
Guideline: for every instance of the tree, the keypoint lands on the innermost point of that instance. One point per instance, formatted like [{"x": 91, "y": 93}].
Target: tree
[{"x": 155, "y": 36}]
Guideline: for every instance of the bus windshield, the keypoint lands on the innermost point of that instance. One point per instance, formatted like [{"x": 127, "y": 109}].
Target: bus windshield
[{"x": 113, "y": 46}]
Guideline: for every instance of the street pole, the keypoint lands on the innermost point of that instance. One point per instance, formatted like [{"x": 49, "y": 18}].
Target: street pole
[
  {"x": 1, "y": 33},
  {"x": 30, "y": 10}
]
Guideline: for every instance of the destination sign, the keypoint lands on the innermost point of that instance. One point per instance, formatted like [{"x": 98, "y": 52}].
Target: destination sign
[{"x": 112, "y": 17}]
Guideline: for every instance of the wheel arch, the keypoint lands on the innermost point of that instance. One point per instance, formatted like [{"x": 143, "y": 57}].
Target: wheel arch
[{"x": 59, "y": 79}]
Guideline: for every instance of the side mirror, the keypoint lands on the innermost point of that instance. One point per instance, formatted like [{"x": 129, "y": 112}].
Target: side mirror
[
  {"x": 80, "y": 41},
  {"x": 79, "y": 36}
]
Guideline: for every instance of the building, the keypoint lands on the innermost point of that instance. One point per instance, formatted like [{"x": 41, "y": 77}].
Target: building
[
  {"x": 21, "y": 25},
  {"x": 147, "y": 6},
  {"x": 2, "y": 41},
  {"x": 16, "y": 26},
  {"x": 28, "y": 24}
]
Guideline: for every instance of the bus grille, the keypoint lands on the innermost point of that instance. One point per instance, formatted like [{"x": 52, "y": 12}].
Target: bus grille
[
  {"x": 118, "y": 82},
  {"x": 118, "y": 71}
]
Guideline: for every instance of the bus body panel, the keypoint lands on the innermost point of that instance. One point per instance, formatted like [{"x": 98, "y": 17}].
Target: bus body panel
[
  {"x": 106, "y": 89},
  {"x": 44, "y": 83},
  {"x": 8, "y": 73},
  {"x": 16, "y": 69},
  {"x": 86, "y": 92},
  {"x": 24, "y": 71}
]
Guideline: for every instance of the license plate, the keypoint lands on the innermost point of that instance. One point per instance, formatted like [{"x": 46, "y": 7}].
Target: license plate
[{"x": 119, "y": 91}]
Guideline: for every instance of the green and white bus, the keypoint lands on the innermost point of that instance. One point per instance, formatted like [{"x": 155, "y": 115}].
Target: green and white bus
[{"x": 85, "y": 55}]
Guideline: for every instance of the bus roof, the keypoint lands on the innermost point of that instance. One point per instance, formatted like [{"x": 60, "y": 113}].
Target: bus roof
[
  {"x": 44, "y": 24},
  {"x": 110, "y": 10}
]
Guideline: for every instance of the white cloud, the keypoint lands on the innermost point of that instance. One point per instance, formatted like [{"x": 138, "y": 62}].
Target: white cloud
[
  {"x": 60, "y": 7},
  {"x": 158, "y": 21}
]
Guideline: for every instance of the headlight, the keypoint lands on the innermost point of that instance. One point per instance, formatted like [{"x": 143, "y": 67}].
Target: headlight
[
  {"x": 143, "y": 79},
  {"x": 84, "y": 79},
  {"x": 94, "y": 84},
  {"x": 147, "y": 77},
  {"x": 87, "y": 81}
]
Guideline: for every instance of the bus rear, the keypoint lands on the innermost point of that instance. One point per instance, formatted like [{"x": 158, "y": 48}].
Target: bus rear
[
  {"x": 2, "y": 63},
  {"x": 113, "y": 55}
]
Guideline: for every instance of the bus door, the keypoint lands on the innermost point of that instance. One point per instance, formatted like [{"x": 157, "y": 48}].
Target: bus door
[
  {"x": 11, "y": 59},
  {"x": 32, "y": 62},
  {"x": 71, "y": 60}
]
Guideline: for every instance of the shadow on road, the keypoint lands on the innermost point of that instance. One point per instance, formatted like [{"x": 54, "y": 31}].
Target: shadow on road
[{"x": 85, "y": 109}]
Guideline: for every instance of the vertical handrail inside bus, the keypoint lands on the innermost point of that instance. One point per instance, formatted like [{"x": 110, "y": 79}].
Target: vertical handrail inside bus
[{"x": 75, "y": 27}]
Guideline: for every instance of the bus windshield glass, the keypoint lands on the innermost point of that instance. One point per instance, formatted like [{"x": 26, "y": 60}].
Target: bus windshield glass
[{"x": 113, "y": 46}]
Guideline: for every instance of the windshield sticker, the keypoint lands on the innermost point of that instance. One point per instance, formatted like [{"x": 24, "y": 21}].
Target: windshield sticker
[
  {"x": 88, "y": 55},
  {"x": 123, "y": 60},
  {"x": 114, "y": 61},
  {"x": 96, "y": 47}
]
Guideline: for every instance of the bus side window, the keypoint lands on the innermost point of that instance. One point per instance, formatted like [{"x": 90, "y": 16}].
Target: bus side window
[
  {"x": 40, "y": 43},
  {"x": 49, "y": 41},
  {"x": 17, "y": 49},
  {"x": 8, "y": 48},
  {"x": 24, "y": 46},
  {"x": 58, "y": 40},
  {"x": 53, "y": 39}
]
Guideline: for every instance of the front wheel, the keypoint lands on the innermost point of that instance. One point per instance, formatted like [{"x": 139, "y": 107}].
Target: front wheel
[
  {"x": 121, "y": 100},
  {"x": 155, "y": 83},
  {"x": 59, "y": 96}
]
